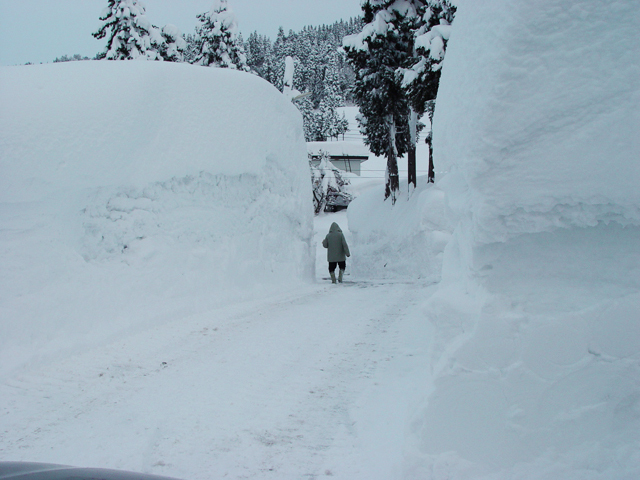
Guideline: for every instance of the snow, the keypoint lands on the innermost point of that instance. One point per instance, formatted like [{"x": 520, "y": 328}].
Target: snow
[
  {"x": 288, "y": 91},
  {"x": 404, "y": 242},
  {"x": 128, "y": 198},
  {"x": 173, "y": 32},
  {"x": 570, "y": 82},
  {"x": 223, "y": 17},
  {"x": 543, "y": 267},
  {"x": 176, "y": 133},
  {"x": 488, "y": 325}
]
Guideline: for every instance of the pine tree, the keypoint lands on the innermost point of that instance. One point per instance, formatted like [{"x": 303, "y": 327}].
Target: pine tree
[
  {"x": 320, "y": 70},
  {"x": 421, "y": 79},
  {"x": 192, "y": 49},
  {"x": 174, "y": 46},
  {"x": 218, "y": 44},
  {"x": 309, "y": 120},
  {"x": 384, "y": 46},
  {"x": 332, "y": 91},
  {"x": 131, "y": 35},
  {"x": 257, "y": 49}
]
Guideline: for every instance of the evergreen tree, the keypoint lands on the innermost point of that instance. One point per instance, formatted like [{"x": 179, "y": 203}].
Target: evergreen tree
[
  {"x": 421, "y": 79},
  {"x": 217, "y": 39},
  {"x": 314, "y": 49},
  {"x": 384, "y": 46},
  {"x": 257, "y": 49},
  {"x": 331, "y": 81},
  {"x": 131, "y": 35},
  {"x": 309, "y": 120},
  {"x": 174, "y": 46},
  {"x": 320, "y": 70},
  {"x": 75, "y": 58},
  {"x": 280, "y": 52},
  {"x": 192, "y": 50}
]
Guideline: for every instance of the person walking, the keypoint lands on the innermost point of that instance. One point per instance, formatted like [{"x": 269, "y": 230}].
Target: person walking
[{"x": 337, "y": 251}]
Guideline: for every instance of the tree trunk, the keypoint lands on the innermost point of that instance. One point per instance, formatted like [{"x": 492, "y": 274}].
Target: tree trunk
[
  {"x": 431, "y": 176},
  {"x": 393, "y": 183},
  {"x": 429, "y": 141},
  {"x": 411, "y": 154}
]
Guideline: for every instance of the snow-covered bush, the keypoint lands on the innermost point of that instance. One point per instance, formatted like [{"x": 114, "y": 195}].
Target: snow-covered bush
[{"x": 330, "y": 188}]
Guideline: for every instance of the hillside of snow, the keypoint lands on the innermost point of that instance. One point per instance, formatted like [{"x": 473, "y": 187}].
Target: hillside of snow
[
  {"x": 135, "y": 192},
  {"x": 536, "y": 348}
]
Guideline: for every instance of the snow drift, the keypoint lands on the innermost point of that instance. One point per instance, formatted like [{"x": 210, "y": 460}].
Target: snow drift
[
  {"x": 402, "y": 242},
  {"x": 133, "y": 191},
  {"x": 536, "y": 349},
  {"x": 553, "y": 103}
]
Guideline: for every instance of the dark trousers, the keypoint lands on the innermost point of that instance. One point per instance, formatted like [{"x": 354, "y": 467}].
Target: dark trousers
[{"x": 332, "y": 266}]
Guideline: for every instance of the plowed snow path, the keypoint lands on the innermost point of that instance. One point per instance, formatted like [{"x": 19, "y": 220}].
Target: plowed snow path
[{"x": 313, "y": 383}]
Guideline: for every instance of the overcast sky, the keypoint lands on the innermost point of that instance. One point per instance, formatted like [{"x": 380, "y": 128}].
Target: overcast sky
[{"x": 41, "y": 30}]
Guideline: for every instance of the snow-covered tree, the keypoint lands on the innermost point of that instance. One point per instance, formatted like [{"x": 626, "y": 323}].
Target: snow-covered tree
[
  {"x": 384, "y": 45},
  {"x": 174, "y": 46},
  {"x": 315, "y": 50},
  {"x": 217, "y": 37},
  {"x": 421, "y": 79},
  {"x": 330, "y": 189},
  {"x": 130, "y": 34},
  {"x": 75, "y": 58},
  {"x": 257, "y": 49},
  {"x": 321, "y": 70}
]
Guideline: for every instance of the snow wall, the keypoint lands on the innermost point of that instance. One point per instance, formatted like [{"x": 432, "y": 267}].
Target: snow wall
[
  {"x": 544, "y": 133},
  {"x": 400, "y": 242},
  {"x": 136, "y": 191},
  {"x": 535, "y": 354}
]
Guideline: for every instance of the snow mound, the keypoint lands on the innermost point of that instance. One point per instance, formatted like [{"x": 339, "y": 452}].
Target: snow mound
[
  {"x": 404, "y": 241},
  {"x": 535, "y": 354},
  {"x": 93, "y": 124},
  {"x": 537, "y": 371},
  {"x": 133, "y": 192},
  {"x": 553, "y": 102}
]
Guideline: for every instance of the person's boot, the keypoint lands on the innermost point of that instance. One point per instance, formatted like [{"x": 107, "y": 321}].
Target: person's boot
[
  {"x": 340, "y": 276},
  {"x": 333, "y": 277}
]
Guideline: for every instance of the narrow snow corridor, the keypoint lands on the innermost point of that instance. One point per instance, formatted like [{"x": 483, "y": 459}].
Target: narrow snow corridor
[{"x": 313, "y": 382}]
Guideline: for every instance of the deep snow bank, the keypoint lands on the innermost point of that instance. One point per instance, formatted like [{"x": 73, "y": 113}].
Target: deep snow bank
[
  {"x": 91, "y": 124},
  {"x": 544, "y": 132},
  {"x": 536, "y": 348},
  {"x": 132, "y": 192},
  {"x": 404, "y": 241}
]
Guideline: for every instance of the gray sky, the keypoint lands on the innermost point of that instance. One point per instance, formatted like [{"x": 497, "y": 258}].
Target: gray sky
[{"x": 41, "y": 30}]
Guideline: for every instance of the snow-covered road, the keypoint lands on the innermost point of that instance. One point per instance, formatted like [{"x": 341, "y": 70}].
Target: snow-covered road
[{"x": 310, "y": 383}]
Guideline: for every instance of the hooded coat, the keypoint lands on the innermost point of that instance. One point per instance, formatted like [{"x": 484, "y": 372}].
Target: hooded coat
[{"x": 336, "y": 245}]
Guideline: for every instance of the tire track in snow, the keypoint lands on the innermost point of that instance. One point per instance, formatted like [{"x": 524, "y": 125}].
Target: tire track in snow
[{"x": 260, "y": 390}]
